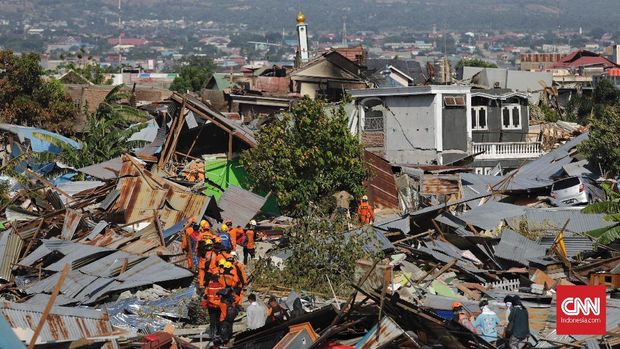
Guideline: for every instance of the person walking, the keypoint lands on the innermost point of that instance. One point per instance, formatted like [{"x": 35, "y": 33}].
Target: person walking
[
  {"x": 518, "y": 328},
  {"x": 211, "y": 301},
  {"x": 249, "y": 249},
  {"x": 486, "y": 323},
  {"x": 256, "y": 313},
  {"x": 365, "y": 211},
  {"x": 461, "y": 316}
]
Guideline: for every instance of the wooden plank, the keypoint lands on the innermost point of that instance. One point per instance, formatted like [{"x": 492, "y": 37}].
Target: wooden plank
[{"x": 48, "y": 306}]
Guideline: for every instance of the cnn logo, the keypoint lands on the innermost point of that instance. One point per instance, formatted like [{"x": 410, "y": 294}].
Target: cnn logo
[
  {"x": 575, "y": 306},
  {"x": 581, "y": 310}
]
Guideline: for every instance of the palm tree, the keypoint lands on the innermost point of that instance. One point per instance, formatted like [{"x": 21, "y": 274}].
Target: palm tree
[
  {"x": 107, "y": 133},
  {"x": 611, "y": 208}
]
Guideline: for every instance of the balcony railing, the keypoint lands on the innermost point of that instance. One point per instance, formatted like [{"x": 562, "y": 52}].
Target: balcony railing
[{"x": 507, "y": 150}]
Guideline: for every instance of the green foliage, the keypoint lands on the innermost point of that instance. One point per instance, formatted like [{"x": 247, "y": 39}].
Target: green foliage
[
  {"x": 603, "y": 145},
  {"x": 474, "y": 62},
  {"x": 92, "y": 72},
  {"x": 106, "y": 135},
  {"x": 306, "y": 156},
  {"x": 194, "y": 73},
  {"x": 319, "y": 249},
  {"x": 29, "y": 100},
  {"x": 611, "y": 208},
  {"x": 4, "y": 193}
]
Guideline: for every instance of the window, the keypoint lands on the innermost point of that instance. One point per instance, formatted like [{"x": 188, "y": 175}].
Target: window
[
  {"x": 479, "y": 118},
  {"x": 511, "y": 117},
  {"x": 454, "y": 101}
]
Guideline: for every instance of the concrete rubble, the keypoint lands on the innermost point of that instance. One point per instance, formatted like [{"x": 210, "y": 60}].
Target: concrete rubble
[{"x": 462, "y": 237}]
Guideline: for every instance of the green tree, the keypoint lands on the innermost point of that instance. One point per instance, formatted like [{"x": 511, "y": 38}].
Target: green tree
[
  {"x": 319, "y": 248},
  {"x": 194, "y": 73},
  {"x": 305, "y": 156},
  {"x": 107, "y": 133},
  {"x": 92, "y": 72},
  {"x": 611, "y": 208},
  {"x": 603, "y": 145},
  {"x": 29, "y": 100}
]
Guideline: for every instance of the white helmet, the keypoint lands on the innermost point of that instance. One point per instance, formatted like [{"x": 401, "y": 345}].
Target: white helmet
[{"x": 253, "y": 222}]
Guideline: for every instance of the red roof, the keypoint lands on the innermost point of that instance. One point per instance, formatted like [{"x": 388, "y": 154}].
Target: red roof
[{"x": 583, "y": 58}]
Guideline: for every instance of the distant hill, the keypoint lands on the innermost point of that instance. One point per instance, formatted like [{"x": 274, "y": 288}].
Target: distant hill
[{"x": 360, "y": 14}]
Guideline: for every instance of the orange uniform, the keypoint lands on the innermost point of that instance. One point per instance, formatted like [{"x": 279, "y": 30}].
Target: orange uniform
[
  {"x": 249, "y": 239},
  {"x": 232, "y": 280},
  {"x": 235, "y": 233},
  {"x": 366, "y": 213},
  {"x": 189, "y": 246},
  {"x": 204, "y": 266}
]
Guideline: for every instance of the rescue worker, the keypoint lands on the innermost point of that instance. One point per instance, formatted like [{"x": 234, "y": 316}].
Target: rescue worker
[
  {"x": 189, "y": 243},
  {"x": 206, "y": 255},
  {"x": 236, "y": 233},
  {"x": 461, "y": 317},
  {"x": 229, "y": 278},
  {"x": 248, "y": 244},
  {"x": 205, "y": 228},
  {"x": 365, "y": 211},
  {"x": 228, "y": 313},
  {"x": 211, "y": 300},
  {"x": 225, "y": 238},
  {"x": 239, "y": 271},
  {"x": 275, "y": 312}
]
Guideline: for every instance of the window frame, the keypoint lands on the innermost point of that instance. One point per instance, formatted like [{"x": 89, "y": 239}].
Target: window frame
[
  {"x": 510, "y": 107},
  {"x": 475, "y": 116}
]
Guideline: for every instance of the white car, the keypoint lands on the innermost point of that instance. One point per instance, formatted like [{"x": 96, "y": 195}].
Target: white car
[{"x": 578, "y": 190}]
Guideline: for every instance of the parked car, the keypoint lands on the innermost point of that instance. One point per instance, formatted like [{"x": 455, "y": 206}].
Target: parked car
[{"x": 578, "y": 190}]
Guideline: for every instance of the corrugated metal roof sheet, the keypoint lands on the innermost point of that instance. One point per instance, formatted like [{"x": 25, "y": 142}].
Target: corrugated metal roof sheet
[
  {"x": 100, "y": 227},
  {"x": 8, "y": 339},
  {"x": 109, "y": 199},
  {"x": 551, "y": 164},
  {"x": 381, "y": 187},
  {"x": 144, "y": 195},
  {"x": 105, "y": 170},
  {"x": 149, "y": 271},
  {"x": 238, "y": 130},
  {"x": 10, "y": 247},
  {"x": 240, "y": 205},
  {"x": 489, "y": 215},
  {"x": 63, "y": 323},
  {"x": 552, "y": 219},
  {"x": 445, "y": 184},
  {"x": 380, "y": 243},
  {"x": 401, "y": 223},
  {"x": 78, "y": 256},
  {"x": 516, "y": 247},
  {"x": 73, "y": 188},
  {"x": 574, "y": 244},
  {"x": 72, "y": 220}
]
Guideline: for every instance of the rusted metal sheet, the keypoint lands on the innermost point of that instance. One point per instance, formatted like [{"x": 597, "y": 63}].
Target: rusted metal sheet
[
  {"x": 10, "y": 247},
  {"x": 144, "y": 196},
  {"x": 381, "y": 187},
  {"x": 272, "y": 84},
  {"x": 72, "y": 220},
  {"x": 388, "y": 331},
  {"x": 62, "y": 324},
  {"x": 440, "y": 184}
]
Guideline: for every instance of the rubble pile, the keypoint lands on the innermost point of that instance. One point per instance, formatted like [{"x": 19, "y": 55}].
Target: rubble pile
[{"x": 99, "y": 261}]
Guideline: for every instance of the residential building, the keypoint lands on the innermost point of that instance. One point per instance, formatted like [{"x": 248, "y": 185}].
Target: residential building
[
  {"x": 539, "y": 61},
  {"x": 443, "y": 125},
  {"x": 530, "y": 83},
  {"x": 327, "y": 77}
]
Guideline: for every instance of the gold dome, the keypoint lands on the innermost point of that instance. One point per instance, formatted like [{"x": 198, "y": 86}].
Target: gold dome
[{"x": 300, "y": 17}]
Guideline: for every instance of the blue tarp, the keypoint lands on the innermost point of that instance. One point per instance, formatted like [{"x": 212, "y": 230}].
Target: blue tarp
[{"x": 37, "y": 138}]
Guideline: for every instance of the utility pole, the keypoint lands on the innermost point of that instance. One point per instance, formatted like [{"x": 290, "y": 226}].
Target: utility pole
[{"x": 120, "y": 35}]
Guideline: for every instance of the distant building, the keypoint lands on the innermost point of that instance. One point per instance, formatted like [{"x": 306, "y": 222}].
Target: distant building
[
  {"x": 302, "y": 37},
  {"x": 327, "y": 77},
  {"x": 444, "y": 124},
  {"x": 539, "y": 61},
  {"x": 583, "y": 59}
]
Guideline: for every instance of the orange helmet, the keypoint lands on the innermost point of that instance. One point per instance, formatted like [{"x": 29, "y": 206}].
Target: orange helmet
[{"x": 457, "y": 304}]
